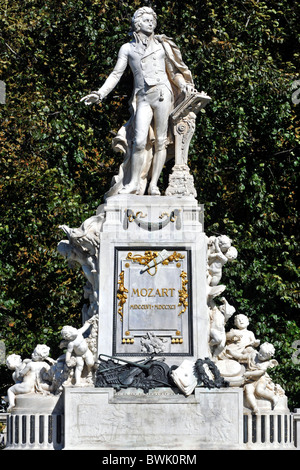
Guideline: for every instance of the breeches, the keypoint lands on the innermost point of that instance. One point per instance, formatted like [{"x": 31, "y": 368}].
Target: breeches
[{"x": 156, "y": 104}]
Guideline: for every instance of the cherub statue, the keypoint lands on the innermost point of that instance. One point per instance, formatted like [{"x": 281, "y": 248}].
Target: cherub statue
[
  {"x": 82, "y": 247},
  {"x": 258, "y": 383},
  {"x": 28, "y": 374},
  {"x": 78, "y": 353},
  {"x": 240, "y": 338},
  {"x": 218, "y": 318},
  {"x": 75, "y": 254},
  {"x": 220, "y": 251},
  {"x": 87, "y": 235}
]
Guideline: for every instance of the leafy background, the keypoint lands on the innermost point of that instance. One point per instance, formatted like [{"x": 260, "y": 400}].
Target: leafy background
[{"x": 57, "y": 161}]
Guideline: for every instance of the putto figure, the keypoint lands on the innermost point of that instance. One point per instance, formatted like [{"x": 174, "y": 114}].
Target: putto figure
[
  {"x": 161, "y": 82},
  {"x": 29, "y": 374}
]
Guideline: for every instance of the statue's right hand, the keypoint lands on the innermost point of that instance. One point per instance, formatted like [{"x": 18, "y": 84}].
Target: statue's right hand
[{"x": 92, "y": 98}]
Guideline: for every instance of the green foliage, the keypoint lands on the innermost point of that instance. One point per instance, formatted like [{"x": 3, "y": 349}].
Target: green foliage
[{"x": 57, "y": 161}]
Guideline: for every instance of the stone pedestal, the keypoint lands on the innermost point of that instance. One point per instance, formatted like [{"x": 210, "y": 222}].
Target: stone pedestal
[
  {"x": 36, "y": 423},
  {"x": 152, "y": 266},
  {"x": 160, "y": 420}
]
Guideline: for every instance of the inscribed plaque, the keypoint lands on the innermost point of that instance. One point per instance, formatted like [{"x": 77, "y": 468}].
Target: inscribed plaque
[{"x": 152, "y": 302}]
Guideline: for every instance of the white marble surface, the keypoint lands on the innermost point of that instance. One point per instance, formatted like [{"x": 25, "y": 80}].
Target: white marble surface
[
  {"x": 104, "y": 419},
  {"x": 136, "y": 224}
]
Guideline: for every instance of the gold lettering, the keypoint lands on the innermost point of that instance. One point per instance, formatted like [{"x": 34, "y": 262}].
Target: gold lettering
[
  {"x": 135, "y": 292},
  {"x": 150, "y": 292},
  {"x": 150, "y": 307},
  {"x": 162, "y": 292}
]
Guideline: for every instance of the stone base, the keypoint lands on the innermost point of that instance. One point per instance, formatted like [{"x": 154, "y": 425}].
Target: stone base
[
  {"x": 103, "y": 419},
  {"x": 34, "y": 403},
  {"x": 265, "y": 406},
  {"x": 36, "y": 423}
]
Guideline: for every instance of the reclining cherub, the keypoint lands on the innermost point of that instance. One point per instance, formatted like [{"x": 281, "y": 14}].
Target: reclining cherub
[
  {"x": 258, "y": 383},
  {"x": 28, "y": 373}
]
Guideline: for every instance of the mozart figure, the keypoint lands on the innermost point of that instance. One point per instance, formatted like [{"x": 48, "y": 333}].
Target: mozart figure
[{"x": 161, "y": 81}]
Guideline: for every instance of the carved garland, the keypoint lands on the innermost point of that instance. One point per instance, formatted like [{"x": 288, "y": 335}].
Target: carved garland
[
  {"x": 183, "y": 293},
  {"x": 173, "y": 217},
  {"x": 202, "y": 376},
  {"x": 121, "y": 294}
]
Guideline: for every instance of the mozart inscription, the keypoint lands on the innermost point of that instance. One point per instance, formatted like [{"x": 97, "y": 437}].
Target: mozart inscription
[{"x": 152, "y": 302}]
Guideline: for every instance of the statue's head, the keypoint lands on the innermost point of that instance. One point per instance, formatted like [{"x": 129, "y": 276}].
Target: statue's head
[
  {"x": 241, "y": 321},
  {"x": 13, "y": 361},
  {"x": 40, "y": 352},
  {"x": 266, "y": 351},
  {"x": 142, "y": 14},
  {"x": 68, "y": 332},
  {"x": 224, "y": 242}
]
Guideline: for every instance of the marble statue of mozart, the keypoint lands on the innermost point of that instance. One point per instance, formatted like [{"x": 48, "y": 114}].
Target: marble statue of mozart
[{"x": 161, "y": 81}]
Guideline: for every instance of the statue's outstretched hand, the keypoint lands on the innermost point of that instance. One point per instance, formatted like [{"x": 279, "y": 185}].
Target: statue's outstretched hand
[{"x": 92, "y": 98}]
